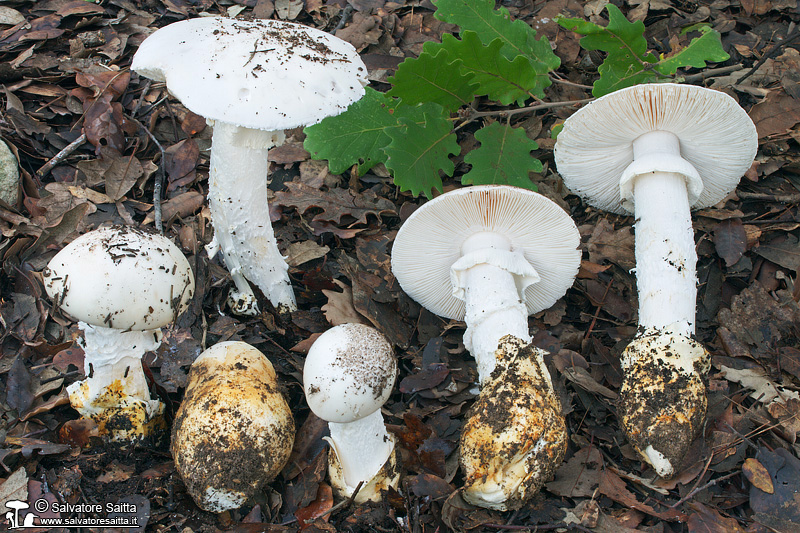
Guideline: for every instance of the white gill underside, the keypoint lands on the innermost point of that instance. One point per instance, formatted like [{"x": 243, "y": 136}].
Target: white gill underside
[
  {"x": 237, "y": 196},
  {"x": 362, "y": 446}
]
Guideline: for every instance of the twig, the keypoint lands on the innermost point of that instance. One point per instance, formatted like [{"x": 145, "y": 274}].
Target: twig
[
  {"x": 344, "y": 504},
  {"x": 772, "y": 51},
  {"x": 61, "y": 156},
  {"x": 145, "y": 90},
  {"x": 537, "y": 107},
  {"x": 785, "y": 198},
  {"x": 346, "y": 12},
  {"x": 157, "y": 180},
  {"x": 597, "y": 311},
  {"x": 562, "y": 81},
  {"x": 710, "y": 73},
  {"x": 704, "y": 487}
]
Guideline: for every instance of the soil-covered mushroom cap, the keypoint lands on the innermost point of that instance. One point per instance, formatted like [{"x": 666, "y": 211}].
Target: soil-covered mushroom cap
[
  {"x": 349, "y": 373},
  {"x": 716, "y": 137},
  {"x": 120, "y": 277},
  {"x": 234, "y": 430},
  {"x": 431, "y": 240},
  {"x": 261, "y": 74}
]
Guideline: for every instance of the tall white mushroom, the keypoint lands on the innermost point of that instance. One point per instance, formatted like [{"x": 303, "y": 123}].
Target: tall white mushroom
[
  {"x": 657, "y": 151},
  {"x": 491, "y": 255},
  {"x": 251, "y": 80},
  {"x": 348, "y": 375},
  {"x": 123, "y": 285}
]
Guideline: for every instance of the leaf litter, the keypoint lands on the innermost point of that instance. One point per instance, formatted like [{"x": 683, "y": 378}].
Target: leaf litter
[{"x": 80, "y": 125}]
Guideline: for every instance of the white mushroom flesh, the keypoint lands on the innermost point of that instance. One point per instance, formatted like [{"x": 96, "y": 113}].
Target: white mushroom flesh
[
  {"x": 362, "y": 447},
  {"x": 253, "y": 79},
  {"x": 665, "y": 254},
  {"x": 237, "y": 197},
  {"x": 123, "y": 284}
]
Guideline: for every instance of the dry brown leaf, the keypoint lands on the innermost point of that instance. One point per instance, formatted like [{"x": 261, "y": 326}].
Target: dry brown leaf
[
  {"x": 298, "y": 253},
  {"x": 615, "y": 245},
  {"x": 183, "y": 205},
  {"x": 340, "y": 309},
  {"x": 757, "y": 474}
]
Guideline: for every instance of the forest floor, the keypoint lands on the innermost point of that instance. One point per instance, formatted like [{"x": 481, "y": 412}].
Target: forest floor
[{"x": 68, "y": 90}]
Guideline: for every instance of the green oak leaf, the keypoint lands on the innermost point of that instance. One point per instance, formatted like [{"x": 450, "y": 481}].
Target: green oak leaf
[
  {"x": 498, "y": 78},
  {"x": 359, "y": 135},
  {"x": 628, "y": 62},
  {"x": 504, "y": 157},
  {"x": 489, "y": 23},
  {"x": 707, "y": 47},
  {"x": 433, "y": 77},
  {"x": 626, "y": 47},
  {"x": 420, "y": 150}
]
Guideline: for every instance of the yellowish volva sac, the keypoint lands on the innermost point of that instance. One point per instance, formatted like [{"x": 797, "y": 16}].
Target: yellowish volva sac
[
  {"x": 234, "y": 430},
  {"x": 515, "y": 436}
]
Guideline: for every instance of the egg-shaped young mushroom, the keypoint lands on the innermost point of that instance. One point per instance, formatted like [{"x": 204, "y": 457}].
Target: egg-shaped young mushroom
[
  {"x": 251, "y": 80},
  {"x": 234, "y": 431},
  {"x": 122, "y": 284},
  {"x": 348, "y": 375},
  {"x": 657, "y": 151},
  {"x": 491, "y": 255}
]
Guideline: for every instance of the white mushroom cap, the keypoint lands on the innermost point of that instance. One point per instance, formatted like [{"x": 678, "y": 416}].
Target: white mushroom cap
[
  {"x": 431, "y": 240},
  {"x": 716, "y": 137},
  {"x": 120, "y": 277},
  {"x": 261, "y": 74},
  {"x": 349, "y": 373}
]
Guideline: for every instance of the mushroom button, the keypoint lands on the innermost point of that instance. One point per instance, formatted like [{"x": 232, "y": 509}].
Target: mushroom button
[
  {"x": 122, "y": 294},
  {"x": 251, "y": 80},
  {"x": 348, "y": 375},
  {"x": 234, "y": 431},
  {"x": 657, "y": 151}
]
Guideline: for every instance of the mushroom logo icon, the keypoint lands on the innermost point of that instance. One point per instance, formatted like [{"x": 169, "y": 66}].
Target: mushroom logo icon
[{"x": 13, "y": 518}]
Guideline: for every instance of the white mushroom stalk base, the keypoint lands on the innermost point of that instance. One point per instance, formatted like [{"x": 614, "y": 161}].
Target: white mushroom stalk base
[
  {"x": 363, "y": 452},
  {"x": 237, "y": 196},
  {"x": 663, "y": 396},
  {"x": 515, "y": 436},
  {"x": 490, "y": 277},
  {"x": 115, "y": 394}
]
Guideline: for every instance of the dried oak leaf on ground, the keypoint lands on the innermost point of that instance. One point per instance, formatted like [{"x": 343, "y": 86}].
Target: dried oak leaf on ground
[
  {"x": 779, "y": 510},
  {"x": 758, "y": 320},
  {"x": 334, "y": 203}
]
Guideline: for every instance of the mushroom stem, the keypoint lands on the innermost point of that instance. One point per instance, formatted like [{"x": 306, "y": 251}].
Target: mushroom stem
[
  {"x": 663, "y": 396},
  {"x": 237, "y": 196},
  {"x": 489, "y": 277},
  {"x": 115, "y": 393},
  {"x": 665, "y": 254},
  {"x": 362, "y": 447}
]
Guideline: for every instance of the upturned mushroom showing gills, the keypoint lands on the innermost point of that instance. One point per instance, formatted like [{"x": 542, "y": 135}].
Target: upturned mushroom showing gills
[
  {"x": 123, "y": 285},
  {"x": 492, "y": 255},
  {"x": 657, "y": 151},
  {"x": 251, "y": 80},
  {"x": 348, "y": 375},
  {"x": 234, "y": 431}
]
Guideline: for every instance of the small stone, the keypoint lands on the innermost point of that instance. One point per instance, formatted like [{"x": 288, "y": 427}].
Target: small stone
[{"x": 9, "y": 176}]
